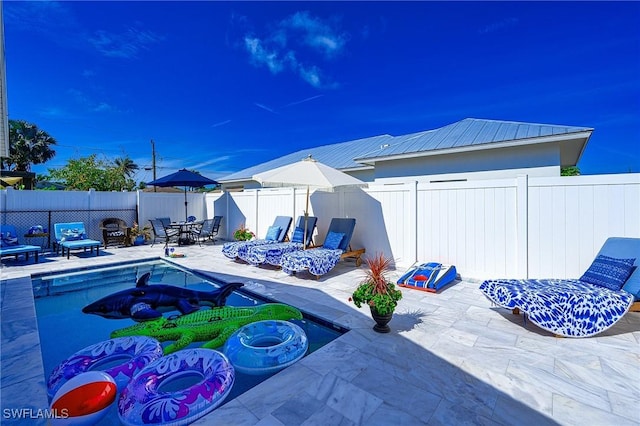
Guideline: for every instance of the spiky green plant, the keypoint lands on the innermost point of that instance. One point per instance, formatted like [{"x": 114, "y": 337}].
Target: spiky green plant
[{"x": 375, "y": 289}]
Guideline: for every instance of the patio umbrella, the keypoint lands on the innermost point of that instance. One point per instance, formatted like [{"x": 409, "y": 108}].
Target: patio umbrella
[
  {"x": 9, "y": 180},
  {"x": 184, "y": 178},
  {"x": 310, "y": 173}
]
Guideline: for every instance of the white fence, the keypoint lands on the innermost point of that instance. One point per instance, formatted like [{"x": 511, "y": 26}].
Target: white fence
[{"x": 522, "y": 227}]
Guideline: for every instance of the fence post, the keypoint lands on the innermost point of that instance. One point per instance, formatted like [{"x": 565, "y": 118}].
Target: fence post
[
  {"x": 413, "y": 219},
  {"x": 522, "y": 225}
]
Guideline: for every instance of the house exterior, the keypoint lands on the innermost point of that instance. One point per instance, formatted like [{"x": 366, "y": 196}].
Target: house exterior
[{"x": 465, "y": 150}]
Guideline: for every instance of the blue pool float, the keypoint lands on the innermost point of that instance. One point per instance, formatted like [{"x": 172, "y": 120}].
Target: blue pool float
[
  {"x": 145, "y": 402},
  {"x": 265, "y": 347},
  {"x": 131, "y": 354}
]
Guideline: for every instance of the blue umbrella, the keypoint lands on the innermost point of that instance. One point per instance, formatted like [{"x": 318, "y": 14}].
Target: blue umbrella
[{"x": 184, "y": 178}]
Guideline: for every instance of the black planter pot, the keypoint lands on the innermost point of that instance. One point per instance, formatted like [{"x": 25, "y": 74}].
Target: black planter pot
[{"x": 381, "y": 321}]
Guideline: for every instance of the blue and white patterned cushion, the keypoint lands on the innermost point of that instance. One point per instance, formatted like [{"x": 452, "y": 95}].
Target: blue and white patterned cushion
[
  {"x": 318, "y": 261},
  {"x": 270, "y": 253},
  {"x": 298, "y": 235},
  {"x": 73, "y": 234},
  {"x": 333, "y": 240},
  {"x": 272, "y": 233},
  {"x": 608, "y": 272},
  {"x": 570, "y": 308},
  {"x": 234, "y": 249}
]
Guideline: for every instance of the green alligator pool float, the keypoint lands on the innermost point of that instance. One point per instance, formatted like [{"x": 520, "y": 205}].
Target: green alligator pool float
[{"x": 214, "y": 325}]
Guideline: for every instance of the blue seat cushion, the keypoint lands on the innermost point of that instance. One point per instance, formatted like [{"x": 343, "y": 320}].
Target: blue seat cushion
[
  {"x": 298, "y": 235},
  {"x": 333, "y": 240},
  {"x": 608, "y": 272},
  {"x": 272, "y": 233}
]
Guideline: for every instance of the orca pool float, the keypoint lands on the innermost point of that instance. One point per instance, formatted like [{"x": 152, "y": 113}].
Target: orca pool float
[
  {"x": 265, "y": 347},
  {"x": 177, "y": 389},
  {"x": 130, "y": 354}
]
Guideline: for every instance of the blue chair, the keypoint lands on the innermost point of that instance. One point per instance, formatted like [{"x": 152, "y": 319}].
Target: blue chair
[
  {"x": 272, "y": 253},
  {"x": 207, "y": 230},
  {"x": 275, "y": 234},
  {"x": 319, "y": 261},
  {"x": 73, "y": 236},
  {"x": 166, "y": 235},
  {"x": 10, "y": 246},
  {"x": 577, "y": 307}
]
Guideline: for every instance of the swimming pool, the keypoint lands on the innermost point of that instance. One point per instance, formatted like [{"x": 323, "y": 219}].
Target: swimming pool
[{"x": 64, "y": 329}]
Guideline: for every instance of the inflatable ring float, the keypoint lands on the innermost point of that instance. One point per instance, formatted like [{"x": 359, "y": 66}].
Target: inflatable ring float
[
  {"x": 120, "y": 358},
  {"x": 177, "y": 389},
  {"x": 265, "y": 347}
]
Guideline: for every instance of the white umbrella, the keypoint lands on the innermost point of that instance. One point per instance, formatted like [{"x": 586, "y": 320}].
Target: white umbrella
[{"x": 310, "y": 173}]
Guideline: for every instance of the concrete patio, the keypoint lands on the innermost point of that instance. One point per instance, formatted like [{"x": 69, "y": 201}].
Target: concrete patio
[{"x": 451, "y": 358}]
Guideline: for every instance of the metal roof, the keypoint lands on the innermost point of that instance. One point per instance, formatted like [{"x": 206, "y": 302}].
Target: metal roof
[
  {"x": 339, "y": 156},
  {"x": 468, "y": 133},
  {"x": 464, "y": 134}
]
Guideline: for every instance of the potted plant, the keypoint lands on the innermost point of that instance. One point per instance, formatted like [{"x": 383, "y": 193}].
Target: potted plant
[
  {"x": 378, "y": 292},
  {"x": 243, "y": 234},
  {"x": 140, "y": 235}
]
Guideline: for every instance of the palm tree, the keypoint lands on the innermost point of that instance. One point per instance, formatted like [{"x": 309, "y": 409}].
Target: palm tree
[
  {"x": 127, "y": 166},
  {"x": 27, "y": 145}
]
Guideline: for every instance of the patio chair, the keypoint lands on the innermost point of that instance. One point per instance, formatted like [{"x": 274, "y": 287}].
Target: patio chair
[
  {"x": 321, "y": 260},
  {"x": 166, "y": 221},
  {"x": 160, "y": 232},
  {"x": 115, "y": 231},
  {"x": 73, "y": 236},
  {"x": 275, "y": 234},
  {"x": 577, "y": 307},
  {"x": 272, "y": 253},
  {"x": 10, "y": 246},
  {"x": 208, "y": 230}
]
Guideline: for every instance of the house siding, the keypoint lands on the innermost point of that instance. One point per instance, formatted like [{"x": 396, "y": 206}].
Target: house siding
[{"x": 537, "y": 160}]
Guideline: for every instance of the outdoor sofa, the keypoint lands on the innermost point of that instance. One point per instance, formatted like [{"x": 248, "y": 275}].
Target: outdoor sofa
[
  {"x": 73, "y": 236},
  {"x": 10, "y": 246}
]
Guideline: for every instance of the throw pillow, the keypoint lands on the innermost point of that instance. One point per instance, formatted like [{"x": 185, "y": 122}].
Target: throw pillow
[
  {"x": 333, "y": 240},
  {"x": 608, "y": 272},
  {"x": 298, "y": 235},
  {"x": 73, "y": 235},
  {"x": 7, "y": 240},
  {"x": 272, "y": 233}
]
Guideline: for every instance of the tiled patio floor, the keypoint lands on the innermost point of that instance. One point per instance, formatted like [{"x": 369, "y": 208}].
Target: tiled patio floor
[{"x": 451, "y": 358}]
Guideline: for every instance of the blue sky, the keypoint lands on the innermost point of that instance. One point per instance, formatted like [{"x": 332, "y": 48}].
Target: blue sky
[{"x": 220, "y": 86}]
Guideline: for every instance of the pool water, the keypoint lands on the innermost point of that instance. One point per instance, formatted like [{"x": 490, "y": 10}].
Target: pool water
[{"x": 64, "y": 329}]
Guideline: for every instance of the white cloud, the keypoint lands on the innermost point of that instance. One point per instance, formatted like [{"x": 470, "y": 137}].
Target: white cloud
[
  {"x": 264, "y": 107},
  {"x": 499, "y": 25},
  {"x": 123, "y": 45},
  {"x": 298, "y": 36},
  {"x": 260, "y": 55},
  {"x": 316, "y": 33}
]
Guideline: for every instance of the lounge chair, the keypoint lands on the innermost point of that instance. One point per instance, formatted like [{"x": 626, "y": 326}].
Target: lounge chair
[
  {"x": 578, "y": 307},
  {"x": 10, "y": 246},
  {"x": 272, "y": 253},
  {"x": 275, "y": 234},
  {"x": 321, "y": 260},
  {"x": 160, "y": 232},
  {"x": 72, "y": 236},
  {"x": 115, "y": 231},
  {"x": 207, "y": 230}
]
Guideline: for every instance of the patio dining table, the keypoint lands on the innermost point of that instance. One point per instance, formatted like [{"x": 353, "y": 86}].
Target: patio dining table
[{"x": 185, "y": 236}]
